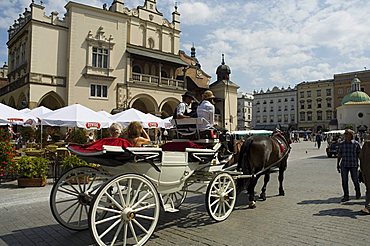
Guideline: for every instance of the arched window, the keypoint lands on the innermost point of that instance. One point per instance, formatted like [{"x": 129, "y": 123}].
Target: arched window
[
  {"x": 151, "y": 43},
  {"x": 164, "y": 74},
  {"x": 136, "y": 69}
]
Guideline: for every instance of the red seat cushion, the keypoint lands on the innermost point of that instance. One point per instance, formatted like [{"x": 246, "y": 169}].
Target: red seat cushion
[
  {"x": 180, "y": 146},
  {"x": 98, "y": 145}
]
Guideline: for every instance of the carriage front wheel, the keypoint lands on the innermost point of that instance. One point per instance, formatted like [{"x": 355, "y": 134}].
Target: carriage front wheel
[
  {"x": 131, "y": 203},
  {"x": 221, "y": 196}
]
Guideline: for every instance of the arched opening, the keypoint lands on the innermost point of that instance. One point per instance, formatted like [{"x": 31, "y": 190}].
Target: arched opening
[
  {"x": 22, "y": 101},
  {"x": 145, "y": 104},
  {"x": 164, "y": 74},
  {"x": 136, "y": 69},
  {"x": 52, "y": 101},
  {"x": 168, "y": 108},
  {"x": 11, "y": 102}
]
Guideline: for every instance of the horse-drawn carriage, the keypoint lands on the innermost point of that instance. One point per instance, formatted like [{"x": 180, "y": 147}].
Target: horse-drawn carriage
[{"x": 120, "y": 201}]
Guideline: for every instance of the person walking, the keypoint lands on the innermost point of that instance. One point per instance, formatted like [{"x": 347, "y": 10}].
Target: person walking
[
  {"x": 347, "y": 162},
  {"x": 318, "y": 139},
  {"x": 365, "y": 170}
]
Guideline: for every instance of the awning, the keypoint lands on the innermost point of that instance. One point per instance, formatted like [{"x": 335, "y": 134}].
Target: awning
[{"x": 155, "y": 55}]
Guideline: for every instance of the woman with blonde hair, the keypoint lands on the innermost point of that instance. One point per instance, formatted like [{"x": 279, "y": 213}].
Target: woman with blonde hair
[
  {"x": 115, "y": 130},
  {"x": 136, "y": 134}
]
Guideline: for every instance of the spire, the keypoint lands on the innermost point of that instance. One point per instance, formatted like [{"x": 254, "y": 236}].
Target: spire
[
  {"x": 356, "y": 84},
  {"x": 223, "y": 59},
  {"x": 192, "y": 51}
]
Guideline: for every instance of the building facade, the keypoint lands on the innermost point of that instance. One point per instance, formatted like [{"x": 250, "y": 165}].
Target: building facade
[
  {"x": 3, "y": 75},
  {"x": 315, "y": 104},
  {"x": 275, "y": 108},
  {"x": 245, "y": 106},
  {"x": 103, "y": 58}
]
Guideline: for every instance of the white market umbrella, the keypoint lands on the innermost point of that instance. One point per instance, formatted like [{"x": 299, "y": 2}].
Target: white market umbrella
[
  {"x": 39, "y": 111},
  {"x": 105, "y": 113},
  {"x": 25, "y": 110},
  {"x": 76, "y": 115},
  {"x": 129, "y": 115},
  {"x": 14, "y": 116},
  {"x": 168, "y": 122},
  {"x": 156, "y": 119}
]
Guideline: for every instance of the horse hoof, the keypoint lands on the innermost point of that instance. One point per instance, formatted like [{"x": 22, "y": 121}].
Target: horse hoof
[
  {"x": 263, "y": 197},
  {"x": 281, "y": 193},
  {"x": 252, "y": 205}
]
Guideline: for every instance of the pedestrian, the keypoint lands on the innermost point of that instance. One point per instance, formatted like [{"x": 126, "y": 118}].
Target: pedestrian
[
  {"x": 347, "y": 162},
  {"x": 318, "y": 140},
  {"x": 365, "y": 170}
]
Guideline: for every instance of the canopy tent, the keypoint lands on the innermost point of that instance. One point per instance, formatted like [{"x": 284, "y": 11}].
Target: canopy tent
[
  {"x": 25, "y": 110},
  {"x": 146, "y": 120},
  {"x": 168, "y": 122},
  {"x": 39, "y": 111},
  {"x": 105, "y": 113},
  {"x": 14, "y": 116},
  {"x": 76, "y": 115}
]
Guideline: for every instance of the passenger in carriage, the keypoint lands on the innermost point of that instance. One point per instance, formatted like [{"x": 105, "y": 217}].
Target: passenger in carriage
[
  {"x": 136, "y": 134},
  {"x": 115, "y": 130},
  {"x": 183, "y": 110},
  {"x": 206, "y": 110}
]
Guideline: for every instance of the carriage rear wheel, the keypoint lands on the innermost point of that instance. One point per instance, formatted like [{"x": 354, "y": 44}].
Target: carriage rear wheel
[
  {"x": 175, "y": 199},
  {"x": 72, "y": 194},
  {"x": 132, "y": 206},
  {"x": 221, "y": 196}
]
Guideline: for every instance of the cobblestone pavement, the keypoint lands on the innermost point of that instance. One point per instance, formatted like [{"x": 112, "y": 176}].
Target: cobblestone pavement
[{"x": 309, "y": 214}]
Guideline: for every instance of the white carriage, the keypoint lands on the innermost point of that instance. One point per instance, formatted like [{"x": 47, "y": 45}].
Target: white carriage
[{"x": 124, "y": 209}]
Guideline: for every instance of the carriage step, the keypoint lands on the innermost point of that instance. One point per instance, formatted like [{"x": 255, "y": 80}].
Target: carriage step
[{"x": 170, "y": 209}]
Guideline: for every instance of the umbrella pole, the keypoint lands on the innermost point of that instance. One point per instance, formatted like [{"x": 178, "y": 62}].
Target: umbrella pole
[{"x": 41, "y": 137}]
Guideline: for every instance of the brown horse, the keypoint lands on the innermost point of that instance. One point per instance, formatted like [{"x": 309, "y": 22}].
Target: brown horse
[{"x": 258, "y": 155}]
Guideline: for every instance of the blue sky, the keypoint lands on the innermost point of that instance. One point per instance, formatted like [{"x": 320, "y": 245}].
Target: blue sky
[{"x": 266, "y": 42}]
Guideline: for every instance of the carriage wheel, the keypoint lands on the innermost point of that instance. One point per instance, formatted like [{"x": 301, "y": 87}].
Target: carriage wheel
[
  {"x": 132, "y": 205},
  {"x": 221, "y": 196},
  {"x": 72, "y": 194},
  {"x": 174, "y": 199}
]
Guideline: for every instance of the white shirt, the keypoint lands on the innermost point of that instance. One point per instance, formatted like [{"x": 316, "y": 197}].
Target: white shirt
[
  {"x": 182, "y": 109},
  {"x": 206, "y": 110}
]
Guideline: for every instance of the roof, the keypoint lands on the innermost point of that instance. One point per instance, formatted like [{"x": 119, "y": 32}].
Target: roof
[
  {"x": 225, "y": 82},
  {"x": 356, "y": 97},
  {"x": 155, "y": 55}
]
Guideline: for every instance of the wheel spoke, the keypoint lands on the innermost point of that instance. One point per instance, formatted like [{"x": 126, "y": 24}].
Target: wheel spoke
[
  {"x": 129, "y": 191},
  {"x": 136, "y": 194},
  {"x": 69, "y": 192},
  {"x": 107, "y": 219},
  {"x": 133, "y": 231},
  {"x": 69, "y": 183},
  {"x": 116, "y": 234},
  {"x": 227, "y": 203},
  {"x": 120, "y": 195},
  {"x": 139, "y": 225},
  {"x": 113, "y": 200},
  {"x": 74, "y": 211},
  {"x": 227, "y": 186},
  {"x": 91, "y": 182},
  {"x": 214, "y": 211},
  {"x": 80, "y": 216},
  {"x": 216, "y": 201},
  {"x": 141, "y": 199},
  {"x": 145, "y": 217},
  {"x": 68, "y": 200},
  {"x": 125, "y": 234},
  {"x": 109, "y": 210},
  {"x": 68, "y": 208},
  {"x": 145, "y": 207},
  {"x": 109, "y": 229}
]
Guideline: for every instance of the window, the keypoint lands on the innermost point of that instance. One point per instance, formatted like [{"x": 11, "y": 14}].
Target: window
[
  {"x": 258, "y": 110},
  {"x": 302, "y": 116},
  {"x": 319, "y": 115},
  {"x": 292, "y": 118},
  {"x": 309, "y": 116},
  {"x": 258, "y": 103},
  {"x": 302, "y": 104},
  {"x": 279, "y": 118},
  {"x": 301, "y": 94},
  {"x": 151, "y": 43},
  {"x": 271, "y": 109},
  {"x": 328, "y": 92},
  {"x": 328, "y": 102},
  {"x": 292, "y": 107},
  {"x": 292, "y": 99},
  {"x": 264, "y": 119},
  {"x": 136, "y": 69},
  {"x": 309, "y": 104},
  {"x": 279, "y": 100},
  {"x": 285, "y": 118},
  {"x": 100, "y": 91},
  {"x": 279, "y": 108},
  {"x": 318, "y": 92},
  {"x": 329, "y": 114},
  {"x": 100, "y": 57},
  {"x": 318, "y": 103},
  {"x": 264, "y": 109},
  {"x": 286, "y": 99},
  {"x": 271, "y": 101},
  {"x": 340, "y": 91},
  {"x": 286, "y": 108},
  {"x": 264, "y": 102},
  {"x": 308, "y": 93}
]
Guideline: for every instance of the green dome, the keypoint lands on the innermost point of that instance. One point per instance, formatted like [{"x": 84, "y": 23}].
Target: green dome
[{"x": 356, "y": 96}]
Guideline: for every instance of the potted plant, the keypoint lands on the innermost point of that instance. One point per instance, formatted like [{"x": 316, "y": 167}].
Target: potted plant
[
  {"x": 73, "y": 161},
  {"x": 31, "y": 171},
  {"x": 7, "y": 154}
]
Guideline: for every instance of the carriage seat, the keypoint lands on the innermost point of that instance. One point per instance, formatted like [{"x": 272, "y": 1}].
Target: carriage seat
[{"x": 203, "y": 155}]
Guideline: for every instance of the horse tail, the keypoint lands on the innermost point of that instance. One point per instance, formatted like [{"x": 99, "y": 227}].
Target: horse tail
[{"x": 243, "y": 163}]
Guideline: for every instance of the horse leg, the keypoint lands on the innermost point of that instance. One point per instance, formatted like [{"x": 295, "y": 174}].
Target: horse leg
[
  {"x": 266, "y": 179},
  {"x": 251, "y": 186},
  {"x": 281, "y": 179}
]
